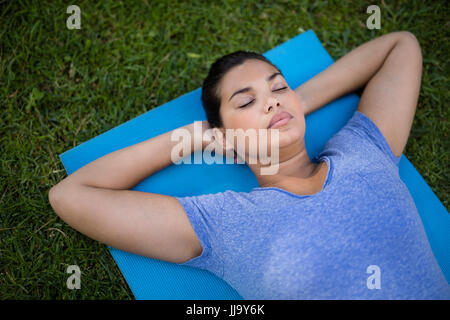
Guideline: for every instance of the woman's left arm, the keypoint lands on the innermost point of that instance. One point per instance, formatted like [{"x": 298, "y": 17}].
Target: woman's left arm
[
  {"x": 390, "y": 97},
  {"x": 390, "y": 67}
]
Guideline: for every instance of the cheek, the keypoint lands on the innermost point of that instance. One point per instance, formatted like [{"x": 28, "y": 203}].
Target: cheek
[
  {"x": 243, "y": 120},
  {"x": 296, "y": 104},
  {"x": 301, "y": 121}
]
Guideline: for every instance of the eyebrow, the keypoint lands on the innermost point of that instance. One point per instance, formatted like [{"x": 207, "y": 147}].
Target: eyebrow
[{"x": 270, "y": 78}]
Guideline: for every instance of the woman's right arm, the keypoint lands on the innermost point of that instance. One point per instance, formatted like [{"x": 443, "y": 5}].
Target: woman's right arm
[{"x": 95, "y": 201}]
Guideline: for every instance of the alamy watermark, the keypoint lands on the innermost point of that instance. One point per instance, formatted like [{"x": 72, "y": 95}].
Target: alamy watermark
[
  {"x": 74, "y": 20},
  {"x": 374, "y": 20},
  {"x": 74, "y": 281},
  {"x": 257, "y": 147},
  {"x": 374, "y": 280}
]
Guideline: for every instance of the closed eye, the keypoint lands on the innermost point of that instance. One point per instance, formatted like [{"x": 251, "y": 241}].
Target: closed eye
[
  {"x": 247, "y": 104},
  {"x": 254, "y": 99}
]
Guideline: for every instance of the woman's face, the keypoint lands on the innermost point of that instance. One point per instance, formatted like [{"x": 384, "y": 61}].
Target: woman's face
[{"x": 266, "y": 93}]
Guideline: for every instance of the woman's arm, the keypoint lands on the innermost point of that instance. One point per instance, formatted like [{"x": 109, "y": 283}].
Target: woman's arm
[
  {"x": 125, "y": 168},
  {"x": 94, "y": 201},
  {"x": 347, "y": 74},
  {"x": 390, "y": 97},
  {"x": 391, "y": 68}
]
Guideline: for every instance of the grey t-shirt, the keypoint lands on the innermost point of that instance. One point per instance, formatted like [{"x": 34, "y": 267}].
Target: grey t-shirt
[{"x": 360, "y": 237}]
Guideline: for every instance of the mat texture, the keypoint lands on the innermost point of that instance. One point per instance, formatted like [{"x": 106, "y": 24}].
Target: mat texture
[{"x": 300, "y": 58}]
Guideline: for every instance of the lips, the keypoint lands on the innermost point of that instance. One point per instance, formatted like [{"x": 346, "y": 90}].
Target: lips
[{"x": 280, "y": 119}]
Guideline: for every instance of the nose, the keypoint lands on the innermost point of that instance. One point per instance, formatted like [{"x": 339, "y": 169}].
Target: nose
[{"x": 271, "y": 104}]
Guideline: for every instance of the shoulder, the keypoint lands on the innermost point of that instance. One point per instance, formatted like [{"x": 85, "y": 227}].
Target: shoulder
[{"x": 361, "y": 140}]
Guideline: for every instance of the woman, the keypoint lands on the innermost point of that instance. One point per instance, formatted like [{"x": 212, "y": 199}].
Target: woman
[{"x": 342, "y": 226}]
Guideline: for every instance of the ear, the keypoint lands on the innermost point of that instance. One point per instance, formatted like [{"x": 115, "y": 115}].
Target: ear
[{"x": 220, "y": 137}]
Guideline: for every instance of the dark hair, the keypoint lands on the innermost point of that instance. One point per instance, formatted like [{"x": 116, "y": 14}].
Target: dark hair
[{"x": 210, "y": 88}]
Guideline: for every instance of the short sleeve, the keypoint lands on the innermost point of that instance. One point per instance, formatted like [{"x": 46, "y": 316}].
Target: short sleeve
[
  {"x": 364, "y": 127},
  {"x": 205, "y": 214}
]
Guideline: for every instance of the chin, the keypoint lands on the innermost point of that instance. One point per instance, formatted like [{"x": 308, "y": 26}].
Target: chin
[{"x": 288, "y": 135}]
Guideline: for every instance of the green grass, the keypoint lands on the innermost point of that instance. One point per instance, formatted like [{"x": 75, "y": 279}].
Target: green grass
[{"x": 60, "y": 87}]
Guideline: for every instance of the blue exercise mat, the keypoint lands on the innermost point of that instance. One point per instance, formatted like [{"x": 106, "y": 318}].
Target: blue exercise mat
[{"x": 299, "y": 59}]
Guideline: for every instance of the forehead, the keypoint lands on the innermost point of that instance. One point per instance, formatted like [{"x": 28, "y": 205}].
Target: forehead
[{"x": 248, "y": 74}]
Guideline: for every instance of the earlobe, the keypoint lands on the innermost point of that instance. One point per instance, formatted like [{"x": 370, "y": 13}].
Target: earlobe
[{"x": 220, "y": 137}]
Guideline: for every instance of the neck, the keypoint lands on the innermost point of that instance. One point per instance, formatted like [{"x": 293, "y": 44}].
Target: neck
[{"x": 294, "y": 162}]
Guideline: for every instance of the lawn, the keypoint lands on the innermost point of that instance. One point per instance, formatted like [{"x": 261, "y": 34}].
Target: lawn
[{"x": 61, "y": 87}]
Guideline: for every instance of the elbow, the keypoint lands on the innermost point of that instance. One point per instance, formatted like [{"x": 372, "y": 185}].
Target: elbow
[
  {"x": 59, "y": 198},
  {"x": 411, "y": 50},
  {"x": 61, "y": 190},
  {"x": 53, "y": 195},
  {"x": 414, "y": 43},
  {"x": 411, "y": 37},
  {"x": 54, "y": 198}
]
